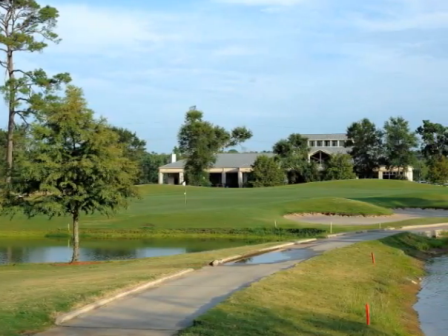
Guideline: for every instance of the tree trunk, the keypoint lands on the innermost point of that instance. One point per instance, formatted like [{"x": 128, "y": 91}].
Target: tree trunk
[
  {"x": 75, "y": 237},
  {"x": 11, "y": 115}
]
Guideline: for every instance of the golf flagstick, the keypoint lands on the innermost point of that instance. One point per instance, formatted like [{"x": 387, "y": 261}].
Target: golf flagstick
[{"x": 185, "y": 192}]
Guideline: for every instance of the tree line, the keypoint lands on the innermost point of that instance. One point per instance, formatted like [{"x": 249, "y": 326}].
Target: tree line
[{"x": 395, "y": 147}]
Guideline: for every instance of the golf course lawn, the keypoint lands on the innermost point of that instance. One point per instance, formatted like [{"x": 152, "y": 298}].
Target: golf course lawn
[
  {"x": 32, "y": 294},
  {"x": 165, "y": 210},
  {"x": 326, "y": 295}
]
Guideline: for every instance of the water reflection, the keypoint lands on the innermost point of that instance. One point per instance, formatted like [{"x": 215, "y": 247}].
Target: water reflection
[
  {"x": 37, "y": 251},
  {"x": 276, "y": 256},
  {"x": 432, "y": 305}
]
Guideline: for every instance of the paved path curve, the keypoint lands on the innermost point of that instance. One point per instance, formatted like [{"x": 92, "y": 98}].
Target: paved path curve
[{"x": 164, "y": 310}]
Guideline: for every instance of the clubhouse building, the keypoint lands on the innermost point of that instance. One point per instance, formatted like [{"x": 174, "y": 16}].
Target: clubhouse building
[{"x": 233, "y": 169}]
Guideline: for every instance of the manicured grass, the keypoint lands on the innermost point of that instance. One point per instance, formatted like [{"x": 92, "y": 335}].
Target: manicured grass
[
  {"x": 163, "y": 208},
  {"x": 31, "y": 294},
  {"x": 336, "y": 205},
  {"x": 326, "y": 296}
]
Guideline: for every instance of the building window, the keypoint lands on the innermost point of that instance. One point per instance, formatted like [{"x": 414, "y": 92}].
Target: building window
[
  {"x": 312, "y": 143},
  {"x": 335, "y": 143},
  {"x": 341, "y": 143},
  {"x": 327, "y": 143},
  {"x": 319, "y": 143}
]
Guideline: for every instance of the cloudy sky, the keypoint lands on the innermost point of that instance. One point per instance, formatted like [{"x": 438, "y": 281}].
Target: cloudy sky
[{"x": 276, "y": 66}]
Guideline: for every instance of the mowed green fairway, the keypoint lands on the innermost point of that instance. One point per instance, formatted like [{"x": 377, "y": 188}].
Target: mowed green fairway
[{"x": 164, "y": 207}]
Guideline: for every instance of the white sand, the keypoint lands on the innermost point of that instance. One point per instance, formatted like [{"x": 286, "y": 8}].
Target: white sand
[{"x": 399, "y": 215}]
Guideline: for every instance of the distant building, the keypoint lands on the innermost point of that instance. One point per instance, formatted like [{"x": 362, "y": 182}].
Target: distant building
[{"x": 233, "y": 169}]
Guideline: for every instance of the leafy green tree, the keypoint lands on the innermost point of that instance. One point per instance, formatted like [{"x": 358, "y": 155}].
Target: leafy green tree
[
  {"x": 399, "y": 145},
  {"x": 339, "y": 167},
  {"x": 77, "y": 166},
  {"x": 149, "y": 166},
  {"x": 200, "y": 141},
  {"x": 420, "y": 166},
  {"x": 179, "y": 154},
  {"x": 267, "y": 172},
  {"x": 293, "y": 155},
  {"x": 365, "y": 142},
  {"x": 135, "y": 148},
  {"x": 434, "y": 140},
  {"x": 438, "y": 170},
  {"x": 25, "y": 26}
]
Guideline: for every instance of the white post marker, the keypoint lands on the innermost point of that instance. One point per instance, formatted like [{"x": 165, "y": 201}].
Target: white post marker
[
  {"x": 331, "y": 227},
  {"x": 185, "y": 192}
]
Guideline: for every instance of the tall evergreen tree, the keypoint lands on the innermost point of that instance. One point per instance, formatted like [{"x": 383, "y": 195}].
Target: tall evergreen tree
[
  {"x": 365, "y": 143},
  {"x": 25, "y": 26},
  {"x": 77, "y": 166}
]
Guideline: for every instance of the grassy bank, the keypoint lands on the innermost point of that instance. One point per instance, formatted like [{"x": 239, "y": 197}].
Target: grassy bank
[
  {"x": 326, "y": 296},
  {"x": 215, "y": 210},
  {"x": 32, "y": 294}
]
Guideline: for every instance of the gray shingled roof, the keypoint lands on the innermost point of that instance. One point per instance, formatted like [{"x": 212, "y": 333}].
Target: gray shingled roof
[
  {"x": 227, "y": 160},
  {"x": 329, "y": 150},
  {"x": 337, "y": 136}
]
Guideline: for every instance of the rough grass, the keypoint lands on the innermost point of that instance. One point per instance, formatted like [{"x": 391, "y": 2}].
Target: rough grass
[
  {"x": 326, "y": 295},
  {"x": 163, "y": 207},
  {"x": 32, "y": 294}
]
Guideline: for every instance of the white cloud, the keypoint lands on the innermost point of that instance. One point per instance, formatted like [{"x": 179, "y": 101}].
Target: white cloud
[
  {"x": 263, "y": 2},
  {"x": 107, "y": 31}
]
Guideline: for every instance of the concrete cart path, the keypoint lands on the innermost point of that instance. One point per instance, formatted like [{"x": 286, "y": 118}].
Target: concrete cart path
[{"x": 164, "y": 310}]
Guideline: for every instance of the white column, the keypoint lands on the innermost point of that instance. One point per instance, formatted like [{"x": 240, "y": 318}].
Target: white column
[
  {"x": 410, "y": 174},
  {"x": 240, "y": 179},
  {"x": 160, "y": 178},
  {"x": 380, "y": 174},
  {"x": 223, "y": 178},
  {"x": 181, "y": 178}
]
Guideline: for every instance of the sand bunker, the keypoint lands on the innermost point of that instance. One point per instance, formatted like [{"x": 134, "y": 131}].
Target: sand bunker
[{"x": 399, "y": 215}]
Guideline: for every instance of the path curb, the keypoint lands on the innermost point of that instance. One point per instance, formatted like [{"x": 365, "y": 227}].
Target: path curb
[
  {"x": 421, "y": 226},
  {"x": 71, "y": 315}
]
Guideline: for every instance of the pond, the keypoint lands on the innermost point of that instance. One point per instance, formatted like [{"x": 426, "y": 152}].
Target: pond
[
  {"x": 39, "y": 251},
  {"x": 432, "y": 305}
]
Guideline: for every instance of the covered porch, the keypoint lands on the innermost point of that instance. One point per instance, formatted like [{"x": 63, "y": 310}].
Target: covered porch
[{"x": 219, "y": 177}]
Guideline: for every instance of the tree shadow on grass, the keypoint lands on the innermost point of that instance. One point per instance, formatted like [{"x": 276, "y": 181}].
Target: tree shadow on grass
[{"x": 265, "y": 322}]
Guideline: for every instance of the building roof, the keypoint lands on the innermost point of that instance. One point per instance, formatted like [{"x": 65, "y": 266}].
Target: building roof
[
  {"x": 336, "y": 136},
  {"x": 329, "y": 150},
  {"x": 226, "y": 160}
]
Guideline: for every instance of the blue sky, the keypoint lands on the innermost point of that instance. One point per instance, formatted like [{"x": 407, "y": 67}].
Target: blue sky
[{"x": 275, "y": 66}]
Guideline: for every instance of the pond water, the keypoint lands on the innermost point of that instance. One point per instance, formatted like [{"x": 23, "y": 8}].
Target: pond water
[
  {"x": 38, "y": 251},
  {"x": 275, "y": 257},
  {"x": 432, "y": 305}
]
